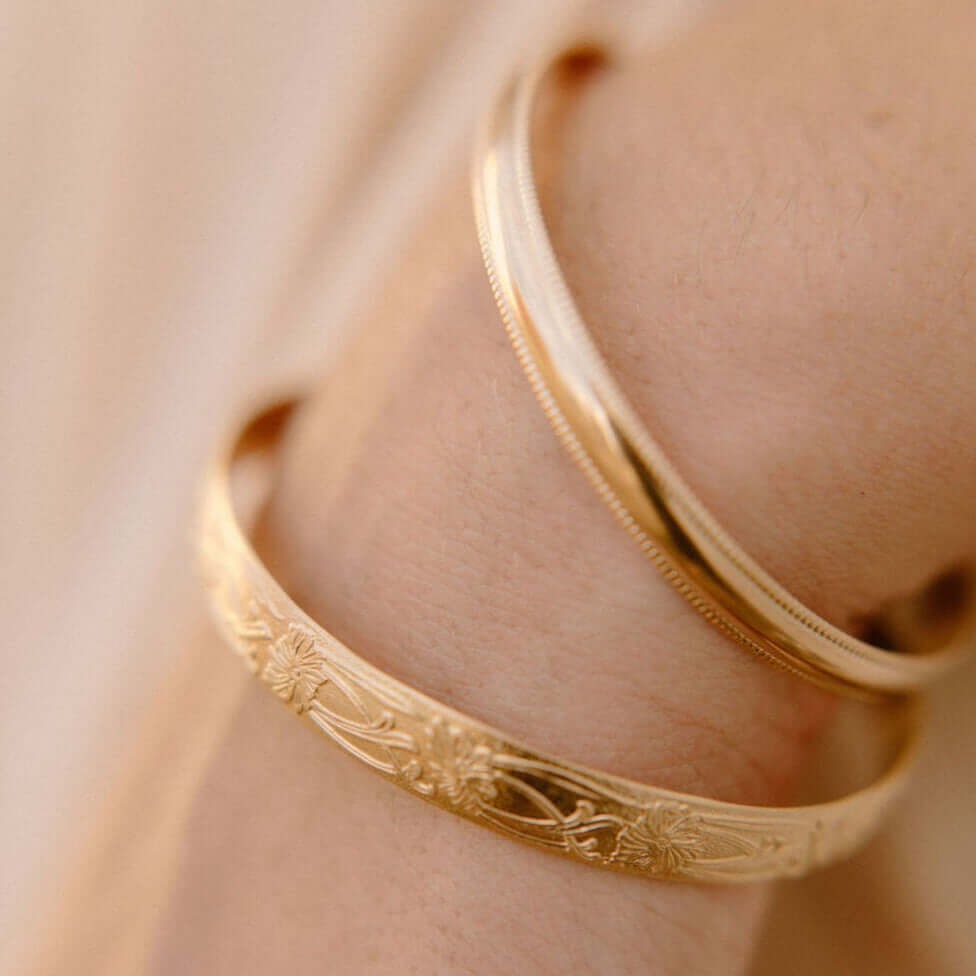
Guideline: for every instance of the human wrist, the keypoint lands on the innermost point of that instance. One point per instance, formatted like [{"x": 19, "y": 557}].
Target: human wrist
[{"x": 480, "y": 567}]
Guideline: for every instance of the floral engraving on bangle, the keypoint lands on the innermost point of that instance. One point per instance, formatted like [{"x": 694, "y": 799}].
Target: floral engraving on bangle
[
  {"x": 243, "y": 619},
  {"x": 663, "y": 840},
  {"x": 463, "y": 772},
  {"x": 455, "y": 766},
  {"x": 294, "y": 668},
  {"x": 251, "y": 632},
  {"x": 478, "y": 773}
]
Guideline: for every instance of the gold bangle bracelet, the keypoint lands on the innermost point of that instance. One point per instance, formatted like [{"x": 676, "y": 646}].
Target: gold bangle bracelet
[
  {"x": 603, "y": 434},
  {"x": 474, "y": 771}
]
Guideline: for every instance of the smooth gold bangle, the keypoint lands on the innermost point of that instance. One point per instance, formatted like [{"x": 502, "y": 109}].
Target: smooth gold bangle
[
  {"x": 479, "y": 773},
  {"x": 603, "y": 434}
]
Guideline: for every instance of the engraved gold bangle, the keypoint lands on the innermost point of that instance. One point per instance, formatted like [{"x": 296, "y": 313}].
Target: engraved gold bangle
[
  {"x": 601, "y": 431},
  {"x": 479, "y": 773}
]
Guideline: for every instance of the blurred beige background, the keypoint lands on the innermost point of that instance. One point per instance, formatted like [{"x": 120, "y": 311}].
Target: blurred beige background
[{"x": 193, "y": 199}]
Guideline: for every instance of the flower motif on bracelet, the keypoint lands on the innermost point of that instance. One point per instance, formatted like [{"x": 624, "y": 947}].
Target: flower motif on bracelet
[
  {"x": 476, "y": 772},
  {"x": 463, "y": 773},
  {"x": 294, "y": 668},
  {"x": 663, "y": 840}
]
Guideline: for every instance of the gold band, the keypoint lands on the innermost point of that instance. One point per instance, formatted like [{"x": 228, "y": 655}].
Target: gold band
[
  {"x": 479, "y": 773},
  {"x": 601, "y": 431}
]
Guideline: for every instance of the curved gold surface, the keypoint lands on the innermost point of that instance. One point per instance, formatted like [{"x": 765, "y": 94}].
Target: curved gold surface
[
  {"x": 603, "y": 434},
  {"x": 479, "y": 773}
]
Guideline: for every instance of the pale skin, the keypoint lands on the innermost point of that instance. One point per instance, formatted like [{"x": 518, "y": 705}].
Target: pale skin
[{"x": 769, "y": 227}]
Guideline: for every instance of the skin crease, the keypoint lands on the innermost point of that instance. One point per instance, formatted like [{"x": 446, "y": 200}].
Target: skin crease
[{"x": 766, "y": 227}]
